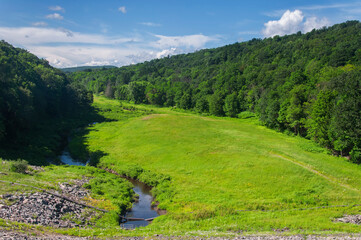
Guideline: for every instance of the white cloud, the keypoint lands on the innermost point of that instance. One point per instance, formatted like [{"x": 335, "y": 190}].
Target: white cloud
[
  {"x": 168, "y": 52},
  {"x": 151, "y": 24},
  {"x": 122, "y": 9},
  {"x": 65, "y": 56},
  {"x": 54, "y": 16},
  {"x": 315, "y": 23},
  {"x": 56, "y": 8},
  {"x": 38, "y": 36},
  {"x": 39, "y": 24},
  {"x": 292, "y": 22},
  {"x": 65, "y": 48},
  {"x": 189, "y": 41}
]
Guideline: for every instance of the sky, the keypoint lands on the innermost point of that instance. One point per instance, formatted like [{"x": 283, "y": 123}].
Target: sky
[{"x": 122, "y": 32}]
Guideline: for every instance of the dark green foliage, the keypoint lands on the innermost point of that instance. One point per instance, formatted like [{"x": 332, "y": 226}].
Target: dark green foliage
[
  {"x": 34, "y": 97},
  {"x": 305, "y": 84},
  {"x": 319, "y": 121},
  {"x": 231, "y": 105},
  {"x": 202, "y": 105},
  {"x": 345, "y": 127},
  {"x": 216, "y": 104},
  {"x": 85, "y": 68},
  {"x": 137, "y": 91},
  {"x": 19, "y": 166},
  {"x": 186, "y": 101}
]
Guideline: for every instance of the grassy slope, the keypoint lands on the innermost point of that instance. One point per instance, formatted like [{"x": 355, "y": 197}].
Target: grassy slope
[{"x": 219, "y": 165}]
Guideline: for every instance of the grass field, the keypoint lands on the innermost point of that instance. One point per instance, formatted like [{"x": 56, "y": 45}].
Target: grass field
[
  {"x": 219, "y": 166},
  {"x": 227, "y": 176}
]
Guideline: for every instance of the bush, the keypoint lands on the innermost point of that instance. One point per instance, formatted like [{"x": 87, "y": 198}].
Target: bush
[
  {"x": 355, "y": 155},
  {"x": 19, "y": 166},
  {"x": 246, "y": 114}
]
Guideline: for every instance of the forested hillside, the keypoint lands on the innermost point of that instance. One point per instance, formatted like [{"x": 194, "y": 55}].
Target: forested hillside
[
  {"x": 306, "y": 84},
  {"x": 32, "y": 93}
]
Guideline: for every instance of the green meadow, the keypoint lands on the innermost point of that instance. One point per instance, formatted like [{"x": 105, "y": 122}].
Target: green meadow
[
  {"x": 213, "y": 176},
  {"x": 227, "y": 176}
]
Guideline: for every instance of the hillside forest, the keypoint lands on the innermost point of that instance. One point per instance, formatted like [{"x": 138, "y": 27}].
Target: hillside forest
[
  {"x": 36, "y": 100},
  {"x": 302, "y": 84}
]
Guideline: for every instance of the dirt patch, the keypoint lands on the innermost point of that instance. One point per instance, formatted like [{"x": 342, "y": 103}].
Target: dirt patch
[
  {"x": 353, "y": 219},
  {"x": 153, "y": 116}
]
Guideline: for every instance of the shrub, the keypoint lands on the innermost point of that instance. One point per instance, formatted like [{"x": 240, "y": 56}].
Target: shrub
[
  {"x": 19, "y": 166},
  {"x": 355, "y": 155},
  {"x": 246, "y": 114}
]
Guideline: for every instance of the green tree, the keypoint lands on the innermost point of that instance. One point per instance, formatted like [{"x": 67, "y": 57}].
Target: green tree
[
  {"x": 186, "y": 101},
  {"x": 319, "y": 120},
  {"x": 137, "y": 91},
  {"x": 216, "y": 104},
  {"x": 202, "y": 104},
  {"x": 231, "y": 105}
]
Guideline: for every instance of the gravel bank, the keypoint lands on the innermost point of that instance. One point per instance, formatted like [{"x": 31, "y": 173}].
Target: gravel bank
[{"x": 48, "y": 210}]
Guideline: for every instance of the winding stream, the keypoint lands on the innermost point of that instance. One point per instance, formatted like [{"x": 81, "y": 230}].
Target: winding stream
[{"x": 141, "y": 208}]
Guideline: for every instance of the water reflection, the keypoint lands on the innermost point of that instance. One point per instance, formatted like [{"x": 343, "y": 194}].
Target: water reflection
[{"x": 141, "y": 209}]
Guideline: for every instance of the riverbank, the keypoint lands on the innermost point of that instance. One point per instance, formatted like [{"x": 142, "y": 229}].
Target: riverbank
[{"x": 72, "y": 196}]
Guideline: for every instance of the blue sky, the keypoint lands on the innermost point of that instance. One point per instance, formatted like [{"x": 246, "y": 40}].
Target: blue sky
[{"x": 122, "y": 32}]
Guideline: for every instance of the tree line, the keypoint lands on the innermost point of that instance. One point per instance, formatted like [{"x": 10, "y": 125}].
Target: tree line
[
  {"x": 305, "y": 84},
  {"x": 32, "y": 92}
]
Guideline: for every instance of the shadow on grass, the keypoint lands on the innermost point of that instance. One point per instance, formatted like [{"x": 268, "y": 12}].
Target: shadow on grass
[{"x": 46, "y": 141}]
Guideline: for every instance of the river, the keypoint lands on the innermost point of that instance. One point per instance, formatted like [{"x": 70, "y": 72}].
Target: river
[{"x": 140, "y": 209}]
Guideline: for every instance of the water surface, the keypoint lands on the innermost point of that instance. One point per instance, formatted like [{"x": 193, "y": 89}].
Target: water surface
[{"x": 141, "y": 209}]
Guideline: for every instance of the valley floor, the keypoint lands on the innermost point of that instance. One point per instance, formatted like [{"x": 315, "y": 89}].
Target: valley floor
[{"x": 217, "y": 178}]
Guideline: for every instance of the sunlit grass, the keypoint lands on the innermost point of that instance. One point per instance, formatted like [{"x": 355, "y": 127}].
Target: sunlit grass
[
  {"x": 221, "y": 165},
  {"x": 218, "y": 168}
]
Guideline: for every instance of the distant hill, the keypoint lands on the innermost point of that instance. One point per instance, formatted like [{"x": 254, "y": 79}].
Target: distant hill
[
  {"x": 303, "y": 84},
  {"x": 85, "y": 68}
]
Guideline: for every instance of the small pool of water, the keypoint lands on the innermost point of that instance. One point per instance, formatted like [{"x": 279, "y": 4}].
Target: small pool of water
[
  {"x": 141, "y": 209},
  {"x": 67, "y": 159}
]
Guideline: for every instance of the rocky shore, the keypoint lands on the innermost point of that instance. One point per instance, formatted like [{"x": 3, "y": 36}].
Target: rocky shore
[{"x": 49, "y": 210}]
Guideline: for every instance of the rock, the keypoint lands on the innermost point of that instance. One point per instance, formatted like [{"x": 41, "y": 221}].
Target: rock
[
  {"x": 48, "y": 210},
  {"x": 3, "y": 206},
  {"x": 354, "y": 219}
]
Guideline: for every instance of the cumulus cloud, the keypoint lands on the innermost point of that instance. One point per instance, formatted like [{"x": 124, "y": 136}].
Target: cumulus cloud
[
  {"x": 39, "y": 24},
  {"x": 315, "y": 23},
  {"x": 122, "y": 9},
  {"x": 168, "y": 52},
  {"x": 188, "y": 41},
  {"x": 54, "y": 16},
  {"x": 292, "y": 22},
  {"x": 56, "y": 8},
  {"x": 151, "y": 24}
]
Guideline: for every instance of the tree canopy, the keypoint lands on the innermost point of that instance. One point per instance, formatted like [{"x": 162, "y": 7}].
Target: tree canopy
[{"x": 306, "y": 84}]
